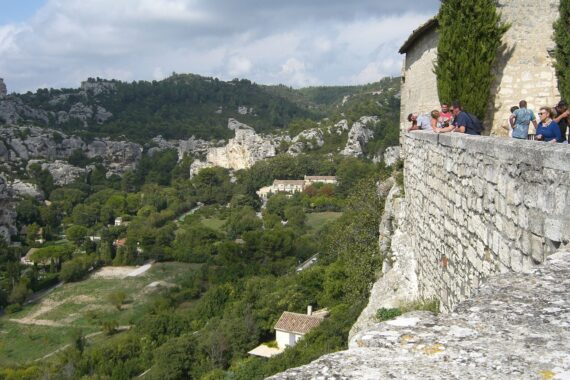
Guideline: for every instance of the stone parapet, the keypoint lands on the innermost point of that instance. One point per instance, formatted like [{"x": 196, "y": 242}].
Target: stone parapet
[{"x": 478, "y": 206}]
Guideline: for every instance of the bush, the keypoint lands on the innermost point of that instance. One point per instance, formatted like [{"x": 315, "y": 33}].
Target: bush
[
  {"x": 13, "y": 308},
  {"x": 384, "y": 314}
]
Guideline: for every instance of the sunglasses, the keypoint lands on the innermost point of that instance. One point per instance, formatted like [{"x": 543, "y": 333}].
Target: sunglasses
[{"x": 542, "y": 113}]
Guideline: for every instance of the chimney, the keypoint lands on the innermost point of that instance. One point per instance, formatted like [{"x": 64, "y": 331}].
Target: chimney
[{"x": 309, "y": 310}]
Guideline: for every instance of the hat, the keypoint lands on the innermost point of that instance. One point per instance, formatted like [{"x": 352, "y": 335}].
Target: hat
[{"x": 561, "y": 104}]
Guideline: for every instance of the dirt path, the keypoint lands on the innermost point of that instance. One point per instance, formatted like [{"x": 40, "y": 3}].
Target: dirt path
[
  {"x": 31, "y": 319},
  {"x": 88, "y": 336}
]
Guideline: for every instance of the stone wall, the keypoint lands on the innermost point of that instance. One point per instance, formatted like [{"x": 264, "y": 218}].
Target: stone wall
[
  {"x": 479, "y": 206},
  {"x": 524, "y": 68},
  {"x": 419, "y": 85}
]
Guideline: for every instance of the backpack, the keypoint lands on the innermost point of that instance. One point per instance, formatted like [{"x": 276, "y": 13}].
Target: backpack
[{"x": 477, "y": 124}]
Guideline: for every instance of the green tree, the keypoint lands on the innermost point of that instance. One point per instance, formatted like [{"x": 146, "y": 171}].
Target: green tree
[
  {"x": 470, "y": 33},
  {"x": 562, "y": 52},
  {"x": 76, "y": 234},
  {"x": 117, "y": 299}
]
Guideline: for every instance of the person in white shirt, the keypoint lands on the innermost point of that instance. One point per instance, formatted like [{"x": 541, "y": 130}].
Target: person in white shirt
[{"x": 419, "y": 122}]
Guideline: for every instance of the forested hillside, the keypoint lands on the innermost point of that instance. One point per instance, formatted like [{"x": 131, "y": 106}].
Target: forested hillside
[
  {"x": 184, "y": 105},
  {"x": 143, "y": 269}
]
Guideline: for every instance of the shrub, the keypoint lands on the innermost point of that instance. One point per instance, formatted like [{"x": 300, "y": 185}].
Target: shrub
[
  {"x": 470, "y": 33},
  {"x": 384, "y": 314}
]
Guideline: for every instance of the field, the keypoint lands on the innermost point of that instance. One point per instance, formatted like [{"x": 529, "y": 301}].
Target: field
[
  {"x": 50, "y": 323},
  {"x": 317, "y": 220}
]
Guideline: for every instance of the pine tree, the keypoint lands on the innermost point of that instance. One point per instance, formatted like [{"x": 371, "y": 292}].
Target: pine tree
[
  {"x": 470, "y": 33},
  {"x": 562, "y": 39}
]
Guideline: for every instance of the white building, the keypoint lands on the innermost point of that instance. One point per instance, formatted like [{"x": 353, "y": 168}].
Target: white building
[
  {"x": 327, "y": 179},
  {"x": 289, "y": 329},
  {"x": 118, "y": 221},
  {"x": 293, "y": 186}
]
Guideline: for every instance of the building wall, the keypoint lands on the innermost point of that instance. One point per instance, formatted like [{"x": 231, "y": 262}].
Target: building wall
[
  {"x": 419, "y": 84},
  {"x": 479, "y": 206},
  {"x": 524, "y": 68},
  {"x": 285, "y": 339}
]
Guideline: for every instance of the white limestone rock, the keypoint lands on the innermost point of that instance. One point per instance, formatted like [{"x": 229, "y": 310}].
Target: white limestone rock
[
  {"x": 233, "y": 125},
  {"x": 193, "y": 147},
  {"x": 26, "y": 189},
  {"x": 358, "y": 136},
  {"x": 391, "y": 155}
]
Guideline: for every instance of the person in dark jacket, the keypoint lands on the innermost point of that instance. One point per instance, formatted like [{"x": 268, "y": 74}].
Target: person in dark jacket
[{"x": 462, "y": 122}]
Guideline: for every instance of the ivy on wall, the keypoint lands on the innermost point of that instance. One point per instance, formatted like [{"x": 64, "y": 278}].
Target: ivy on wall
[
  {"x": 562, "y": 53},
  {"x": 470, "y": 33}
]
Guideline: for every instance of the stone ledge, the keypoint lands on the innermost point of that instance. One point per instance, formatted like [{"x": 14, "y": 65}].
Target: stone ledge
[
  {"x": 517, "y": 326},
  {"x": 556, "y": 157}
]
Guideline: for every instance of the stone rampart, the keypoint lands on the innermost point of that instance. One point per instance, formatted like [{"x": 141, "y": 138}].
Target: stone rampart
[{"x": 479, "y": 206}]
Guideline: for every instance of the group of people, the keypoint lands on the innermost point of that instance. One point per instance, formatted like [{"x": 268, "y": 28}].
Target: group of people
[
  {"x": 551, "y": 127},
  {"x": 446, "y": 120},
  {"x": 551, "y": 124}
]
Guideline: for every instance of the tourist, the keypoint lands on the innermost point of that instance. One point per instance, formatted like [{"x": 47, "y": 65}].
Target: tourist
[
  {"x": 435, "y": 120},
  {"x": 521, "y": 119},
  {"x": 561, "y": 118},
  {"x": 419, "y": 122},
  {"x": 445, "y": 116},
  {"x": 511, "y": 121},
  {"x": 547, "y": 130},
  {"x": 462, "y": 122}
]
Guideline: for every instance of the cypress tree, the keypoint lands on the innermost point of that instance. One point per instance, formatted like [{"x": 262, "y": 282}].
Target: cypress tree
[
  {"x": 470, "y": 33},
  {"x": 562, "y": 53}
]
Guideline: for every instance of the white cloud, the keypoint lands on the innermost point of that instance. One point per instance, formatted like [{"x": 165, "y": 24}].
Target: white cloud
[
  {"x": 239, "y": 66},
  {"x": 267, "y": 42}
]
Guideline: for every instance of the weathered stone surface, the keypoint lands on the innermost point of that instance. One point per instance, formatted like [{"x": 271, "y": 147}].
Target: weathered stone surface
[
  {"x": 358, "y": 136},
  {"x": 391, "y": 155},
  {"x": 98, "y": 87},
  {"x": 13, "y": 110},
  {"x": 25, "y": 189},
  {"x": 62, "y": 172},
  {"x": 398, "y": 284},
  {"x": 193, "y": 147},
  {"x": 479, "y": 206},
  {"x": 307, "y": 140},
  {"x": 241, "y": 152},
  {"x": 516, "y": 326},
  {"x": 118, "y": 156}
]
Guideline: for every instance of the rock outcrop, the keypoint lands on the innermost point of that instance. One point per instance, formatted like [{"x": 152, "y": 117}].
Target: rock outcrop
[
  {"x": 7, "y": 210},
  {"x": 62, "y": 172},
  {"x": 398, "y": 284},
  {"x": 13, "y": 110},
  {"x": 3, "y": 89},
  {"x": 514, "y": 327},
  {"x": 241, "y": 152},
  {"x": 358, "y": 136},
  {"x": 307, "y": 140},
  {"x": 391, "y": 155},
  {"x": 18, "y": 145}
]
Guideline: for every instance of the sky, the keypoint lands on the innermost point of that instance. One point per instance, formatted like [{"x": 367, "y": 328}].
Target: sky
[{"x": 59, "y": 43}]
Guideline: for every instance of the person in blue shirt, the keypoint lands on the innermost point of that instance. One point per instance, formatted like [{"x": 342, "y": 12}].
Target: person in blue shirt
[
  {"x": 419, "y": 122},
  {"x": 547, "y": 130},
  {"x": 521, "y": 119},
  {"x": 462, "y": 122}
]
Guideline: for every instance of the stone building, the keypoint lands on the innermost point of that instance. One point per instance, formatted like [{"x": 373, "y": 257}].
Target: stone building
[
  {"x": 3, "y": 89},
  {"x": 524, "y": 67}
]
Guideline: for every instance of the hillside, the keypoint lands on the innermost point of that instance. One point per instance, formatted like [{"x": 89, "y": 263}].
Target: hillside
[{"x": 178, "y": 107}]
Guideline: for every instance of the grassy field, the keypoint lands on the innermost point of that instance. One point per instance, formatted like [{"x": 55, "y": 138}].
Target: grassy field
[
  {"x": 50, "y": 323},
  {"x": 317, "y": 220},
  {"x": 214, "y": 223}
]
